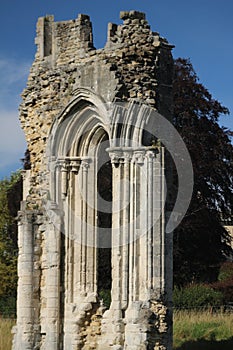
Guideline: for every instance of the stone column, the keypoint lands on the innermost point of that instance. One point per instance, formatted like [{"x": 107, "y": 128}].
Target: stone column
[
  {"x": 68, "y": 169},
  {"x": 77, "y": 232},
  {"x": 90, "y": 201},
  {"x": 69, "y": 205},
  {"x": 112, "y": 330},
  {"x": 51, "y": 326},
  {"x": 136, "y": 326},
  {"x": 161, "y": 301},
  {"x": 24, "y": 332},
  {"x": 84, "y": 226},
  {"x": 146, "y": 250},
  {"x": 156, "y": 161},
  {"x": 125, "y": 211},
  {"x": 80, "y": 264}
]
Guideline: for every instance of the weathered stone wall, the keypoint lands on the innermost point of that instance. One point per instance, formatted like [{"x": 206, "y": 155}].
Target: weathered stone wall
[{"x": 135, "y": 65}]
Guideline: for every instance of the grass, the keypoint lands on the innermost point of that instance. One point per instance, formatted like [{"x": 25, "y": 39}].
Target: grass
[
  {"x": 6, "y": 325},
  {"x": 191, "y": 326}
]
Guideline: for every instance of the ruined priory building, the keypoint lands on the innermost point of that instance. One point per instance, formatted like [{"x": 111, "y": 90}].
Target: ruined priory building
[{"x": 93, "y": 214}]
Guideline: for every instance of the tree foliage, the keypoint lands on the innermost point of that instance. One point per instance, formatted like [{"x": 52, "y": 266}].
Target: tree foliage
[
  {"x": 201, "y": 242},
  {"x": 225, "y": 282},
  {"x": 26, "y": 160},
  {"x": 10, "y": 196},
  {"x": 196, "y": 296}
]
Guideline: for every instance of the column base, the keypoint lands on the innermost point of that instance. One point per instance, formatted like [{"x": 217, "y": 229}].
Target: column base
[{"x": 112, "y": 330}]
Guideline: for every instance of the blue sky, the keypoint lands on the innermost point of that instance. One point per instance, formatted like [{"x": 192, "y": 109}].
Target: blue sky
[{"x": 201, "y": 30}]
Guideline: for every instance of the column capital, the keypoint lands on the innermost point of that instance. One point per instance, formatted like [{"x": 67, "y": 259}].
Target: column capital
[
  {"x": 151, "y": 154},
  {"x": 121, "y": 154},
  {"x": 127, "y": 156},
  {"x": 67, "y": 164},
  {"x": 54, "y": 213},
  {"x": 85, "y": 163},
  {"x": 74, "y": 165},
  {"x": 139, "y": 157},
  {"x": 26, "y": 216},
  {"x": 62, "y": 164},
  {"x": 115, "y": 157}
]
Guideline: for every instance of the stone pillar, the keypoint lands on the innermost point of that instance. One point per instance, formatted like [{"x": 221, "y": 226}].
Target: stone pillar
[
  {"x": 77, "y": 183},
  {"x": 24, "y": 331},
  {"x": 26, "y": 183},
  {"x": 67, "y": 185},
  {"x": 126, "y": 198},
  {"x": 112, "y": 331},
  {"x": 90, "y": 199},
  {"x": 137, "y": 247},
  {"x": 84, "y": 227},
  {"x": 146, "y": 252},
  {"x": 136, "y": 326},
  {"x": 77, "y": 232},
  {"x": 51, "y": 325}
]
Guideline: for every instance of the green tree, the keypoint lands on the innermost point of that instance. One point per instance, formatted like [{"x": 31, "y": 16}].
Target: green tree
[
  {"x": 10, "y": 196},
  {"x": 200, "y": 242}
]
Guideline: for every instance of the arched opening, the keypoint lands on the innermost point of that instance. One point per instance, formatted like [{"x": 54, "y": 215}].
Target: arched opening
[
  {"x": 104, "y": 222},
  {"x": 113, "y": 228},
  {"x": 82, "y": 187}
]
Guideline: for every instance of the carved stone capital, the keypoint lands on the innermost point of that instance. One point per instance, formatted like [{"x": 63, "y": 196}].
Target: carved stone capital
[
  {"x": 69, "y": 164},
  {"x": 139, "y": 157},
  {"x": 54, "y": 213},
  {"x": 75, "y": 165},
  {"x": 62, "y": 164},
  {"x": 26, "y": 217},
  {"x": 151, "y": 154},
  {"x": 85, "y": 164},
  {"x": 116, "y": 157},
  {"x": 65, "y": 166},
  {"x": 127, "y": 156}
]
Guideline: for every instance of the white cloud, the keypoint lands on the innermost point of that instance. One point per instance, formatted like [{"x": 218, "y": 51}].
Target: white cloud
[
  {"x": 11, "y": 135},
  {"x": 13, "y": 71},
  {"x": 12, "y": 140},
  {"x": 13, "y": 76}
]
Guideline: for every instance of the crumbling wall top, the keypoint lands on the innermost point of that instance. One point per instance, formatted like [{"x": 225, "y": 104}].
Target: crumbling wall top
[
  {"x": 56, "y": 39},
  {"x": 66, "y": 41},
  {"x": 132, "y": 15},
  {"x": 136, "y": 63}
]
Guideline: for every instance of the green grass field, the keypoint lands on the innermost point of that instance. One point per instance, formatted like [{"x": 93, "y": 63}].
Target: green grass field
[
  {"x": 192, "y": 331},
  {"x": 205, "y": 329},
  {"x": 5, "y": 333}
]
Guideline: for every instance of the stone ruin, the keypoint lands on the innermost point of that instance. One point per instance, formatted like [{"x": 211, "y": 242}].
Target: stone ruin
[{"x": 93, "y": 213}]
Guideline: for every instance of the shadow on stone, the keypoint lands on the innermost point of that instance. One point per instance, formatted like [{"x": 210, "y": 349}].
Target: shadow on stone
[{"x": 208, "y": 345}]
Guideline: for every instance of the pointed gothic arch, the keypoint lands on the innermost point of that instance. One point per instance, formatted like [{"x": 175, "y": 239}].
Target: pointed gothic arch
[{"x": 85, "y": 128}]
